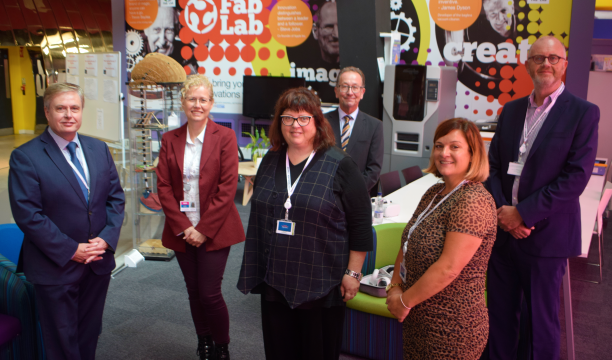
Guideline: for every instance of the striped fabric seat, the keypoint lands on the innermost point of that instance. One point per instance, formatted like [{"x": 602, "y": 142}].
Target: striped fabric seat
[
  {"x": 370, "y": 331},
  {"x": 17, "y": 300}
]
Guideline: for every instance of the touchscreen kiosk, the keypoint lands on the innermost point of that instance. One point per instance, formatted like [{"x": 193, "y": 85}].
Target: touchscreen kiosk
[{"x": 416, "y": 99}]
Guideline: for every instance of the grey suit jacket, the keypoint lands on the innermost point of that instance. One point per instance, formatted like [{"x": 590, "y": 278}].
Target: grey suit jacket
[{"x": 365, "y": 145}]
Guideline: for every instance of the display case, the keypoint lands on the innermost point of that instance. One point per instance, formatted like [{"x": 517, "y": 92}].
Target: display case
[{"x": 153, "y": 110}]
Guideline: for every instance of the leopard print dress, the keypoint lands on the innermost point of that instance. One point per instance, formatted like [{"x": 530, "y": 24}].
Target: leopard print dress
[{"x": 454, "y": 323}]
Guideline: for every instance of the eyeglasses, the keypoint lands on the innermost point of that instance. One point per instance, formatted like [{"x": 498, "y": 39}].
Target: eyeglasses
[
  {"x": 345, "y": 88},
  {"x": 552, "y": 59},
  {"x": 301, "y": 120},
  {"x": 194, "y": 101}
]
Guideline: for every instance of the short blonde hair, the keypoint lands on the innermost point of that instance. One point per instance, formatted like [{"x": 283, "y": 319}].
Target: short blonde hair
[
  {"x": 479, "y": 166},
  {"x": 195, "y": 81},
  {"x": 59, "y": 88}
]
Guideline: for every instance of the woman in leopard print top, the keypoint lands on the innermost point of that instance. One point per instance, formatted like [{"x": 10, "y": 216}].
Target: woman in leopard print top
[{"x": 438, "y": 286}]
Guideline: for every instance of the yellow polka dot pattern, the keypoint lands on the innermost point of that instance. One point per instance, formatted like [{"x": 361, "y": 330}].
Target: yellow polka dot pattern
[{"x": 554, "y": 18}]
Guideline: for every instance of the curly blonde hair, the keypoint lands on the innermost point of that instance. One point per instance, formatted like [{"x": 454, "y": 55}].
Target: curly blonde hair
[{"x": 195, "y": 81}]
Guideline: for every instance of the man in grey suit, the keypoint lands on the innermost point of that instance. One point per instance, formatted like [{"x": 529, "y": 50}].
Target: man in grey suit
[{"x": 357, "y": 133}]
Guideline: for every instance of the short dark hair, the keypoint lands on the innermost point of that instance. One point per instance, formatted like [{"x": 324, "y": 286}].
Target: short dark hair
[
  {"x": 301, "y": 99},
  {"x": 479, "y": 167},
  {"x": 351, "y": 69}
]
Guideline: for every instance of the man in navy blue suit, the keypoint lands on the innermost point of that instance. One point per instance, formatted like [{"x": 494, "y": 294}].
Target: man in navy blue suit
[
  {"x": 66, "y": 198},
  {"x": 541, "y": 160}
]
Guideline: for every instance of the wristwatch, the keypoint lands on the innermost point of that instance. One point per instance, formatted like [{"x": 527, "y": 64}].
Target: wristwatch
[
  {"x": 356, "y": 275},
  {"x": 391, "y": 286}
]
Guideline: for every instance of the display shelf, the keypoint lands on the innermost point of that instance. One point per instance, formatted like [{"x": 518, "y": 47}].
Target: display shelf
[{"x": 153, "y": 110}]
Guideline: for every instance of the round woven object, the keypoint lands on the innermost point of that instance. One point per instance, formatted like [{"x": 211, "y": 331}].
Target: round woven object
[{"x": 157, "y": 68}]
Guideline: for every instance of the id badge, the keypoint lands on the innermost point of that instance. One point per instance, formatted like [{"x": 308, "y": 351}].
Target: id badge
[
  {"x": 403, "y": 271},
  {"x": 515, "y": 168},
  {"x": 285, "y": 227},
  {"x": 187, "y": 206}
]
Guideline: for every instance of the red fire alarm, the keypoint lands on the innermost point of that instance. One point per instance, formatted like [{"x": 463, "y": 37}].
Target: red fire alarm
[{"x": 20, "y": 52}]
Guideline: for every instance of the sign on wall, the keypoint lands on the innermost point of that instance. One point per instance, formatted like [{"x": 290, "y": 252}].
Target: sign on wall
[
  {"x": 226, "y": 39},
  {"x": 487, "y": 40}
]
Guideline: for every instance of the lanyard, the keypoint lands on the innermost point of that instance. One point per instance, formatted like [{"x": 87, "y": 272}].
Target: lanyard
[
  {"x": 291, "y": 189},
  {"x": 543, "y": 116},
  {"x": 79, "y": 173},
  {"x": 425, "y": 213}
]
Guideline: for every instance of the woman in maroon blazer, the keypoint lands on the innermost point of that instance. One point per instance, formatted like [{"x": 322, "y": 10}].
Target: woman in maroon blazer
[{"x": 197, "y": 177}]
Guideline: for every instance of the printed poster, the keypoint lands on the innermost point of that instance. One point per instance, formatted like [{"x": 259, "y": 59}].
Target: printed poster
[
  {"x": 486, "y": 40},
  {"x": 226, "y": 39}
]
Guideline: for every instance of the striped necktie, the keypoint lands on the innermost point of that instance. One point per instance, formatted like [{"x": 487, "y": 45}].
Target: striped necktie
[
  {"x": 345, "y": 131},
  {"x": 77, "y": 164}
]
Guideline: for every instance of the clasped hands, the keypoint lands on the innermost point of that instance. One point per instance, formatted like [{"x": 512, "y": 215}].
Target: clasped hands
[
  {"x": 92, "y": 251},
  {"x": 395, "y": 305},
  {"x": 194, "y": 237},
  {"x": 510, "y": 220}
]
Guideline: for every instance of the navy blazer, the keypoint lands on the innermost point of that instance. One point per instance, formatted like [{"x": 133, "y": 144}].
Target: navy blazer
[
  {"x": 556, "y": 172},
  {"x": 366, "y": 144},
  {"x": 50, "y": 208}
]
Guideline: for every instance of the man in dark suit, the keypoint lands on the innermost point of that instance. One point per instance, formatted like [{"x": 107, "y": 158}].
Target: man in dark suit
[
  {"x": 66, "y": 198},
  {"x": 357, "y": 133},
  {"x": 541, "y": 160}
]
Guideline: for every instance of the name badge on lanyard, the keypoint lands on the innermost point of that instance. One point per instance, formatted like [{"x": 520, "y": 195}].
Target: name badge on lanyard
[
  {"x": 515, "y": 168},
  {"x": 418, "y": 221},
  {"x": 187, "y": 206},
  {"x": 286, "y": 226}
]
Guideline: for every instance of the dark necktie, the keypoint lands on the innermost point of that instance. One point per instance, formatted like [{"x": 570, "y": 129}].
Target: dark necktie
[
  {"x": 77, "y": 164},
  {"x": 345, "y": 131}
]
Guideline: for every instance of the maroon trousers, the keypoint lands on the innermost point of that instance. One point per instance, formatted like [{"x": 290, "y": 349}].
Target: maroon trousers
[{"x": 203, "y": 272}]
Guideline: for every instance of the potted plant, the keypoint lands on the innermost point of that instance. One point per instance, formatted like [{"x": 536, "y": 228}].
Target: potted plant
[{"x": 259, "y": 143}]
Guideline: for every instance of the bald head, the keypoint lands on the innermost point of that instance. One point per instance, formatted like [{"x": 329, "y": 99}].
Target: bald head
[{"x": 548, "y": 41}]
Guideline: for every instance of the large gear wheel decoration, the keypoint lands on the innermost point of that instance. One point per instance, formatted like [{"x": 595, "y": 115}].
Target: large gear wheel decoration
[
  {"x": 407, "y": 38},
  {"x": 396, "y": 5},
  {"x": 133, "y": 42}
]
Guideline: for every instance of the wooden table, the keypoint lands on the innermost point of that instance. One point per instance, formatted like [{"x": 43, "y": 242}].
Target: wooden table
[{"x": 248, "y": 171}]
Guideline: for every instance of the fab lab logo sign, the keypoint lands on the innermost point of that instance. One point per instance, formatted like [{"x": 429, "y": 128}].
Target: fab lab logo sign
[
  {"x": 486, "y": 40},
  {"x": 231, "y": 38}
]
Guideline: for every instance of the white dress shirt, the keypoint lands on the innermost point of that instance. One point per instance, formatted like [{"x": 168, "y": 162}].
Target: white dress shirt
[
  {"x": 351, "y": 123},
  {"x": 63, "y": 145},
  {"x": 191, "y": 174}
]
